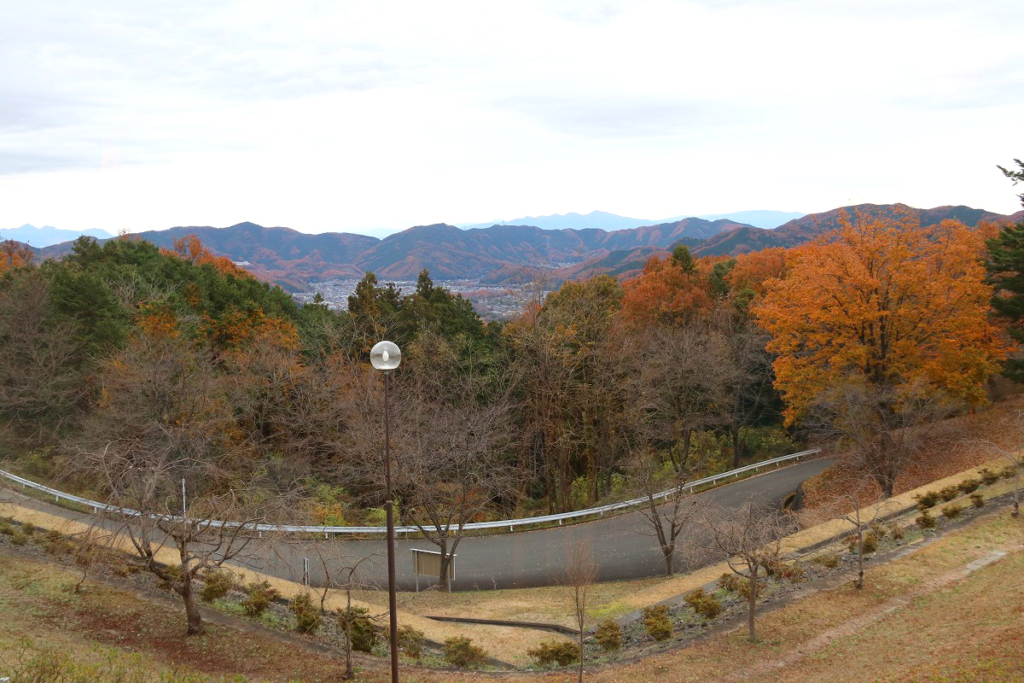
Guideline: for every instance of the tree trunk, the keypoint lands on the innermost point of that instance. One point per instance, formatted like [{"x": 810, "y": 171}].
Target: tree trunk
[
  {"x": 442, "y": 580},
  {"x": 735, "y": 447},
  {"x": 1016, "y": 490},
  {"x": 669, "y": 553},
  {"x": 752, "y": 605},
  {"x": 859, "y": 583},
  {"x": 195, "y": 619},
  {"x": 581, "y": 655}
]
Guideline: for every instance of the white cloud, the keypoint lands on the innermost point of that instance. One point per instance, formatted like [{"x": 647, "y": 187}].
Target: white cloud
[{"x": 350, "y": 115}]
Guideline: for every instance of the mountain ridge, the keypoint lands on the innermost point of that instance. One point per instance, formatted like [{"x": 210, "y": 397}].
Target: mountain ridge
[{"x": 502, "y": 253}]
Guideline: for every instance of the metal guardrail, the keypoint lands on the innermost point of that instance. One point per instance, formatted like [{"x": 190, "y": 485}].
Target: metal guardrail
[{"x": 497, "y": 524}]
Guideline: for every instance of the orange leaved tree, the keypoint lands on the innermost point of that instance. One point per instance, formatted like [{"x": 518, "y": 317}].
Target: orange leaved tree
[{"x": 879, "y": 330}]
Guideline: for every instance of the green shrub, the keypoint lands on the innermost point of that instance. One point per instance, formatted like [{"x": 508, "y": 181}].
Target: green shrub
[
  {"x": 744, "y": 588},
  {"x": 1008, "y": 472},
  {"x": 410, "y": 640},
  {"x": 977, "y": 500},
  {"x": 829, "y": 560},
  {"x": 925, "y": 521},
  {"x": 969, "y": 485},
  {"x": 657, "y": 623},
  {"x": 365, "y": 634},
  {"x": 949, "y": 493},
  {"x": 462, "y": 653},
  {"x": 988, "y": 477},
  {"x": 927, "y": 500},
  {"x": 259, "y": 599},
  {"x": 895, "y": 531},
  {"x": 307, "y": 617},
  {"x": 951, "y": 511},
  {"x": 794, "y": 573},
  {"x": 609, "y": 635},
  {"x": 561, "y": 652},
  {"x": 870, "y": 541},
  {"x": 6, "y": 528},
  {"x": 703, "y": 604},
  {"x": 19, "y": 537},
  {"x": 729, "y": 582},
  {"x": 216, "y": 585}
]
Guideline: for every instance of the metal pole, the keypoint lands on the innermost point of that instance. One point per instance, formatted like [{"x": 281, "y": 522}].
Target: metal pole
[
  {"x": 390, "y": 507},
  {"x": 183, "y": 513}
]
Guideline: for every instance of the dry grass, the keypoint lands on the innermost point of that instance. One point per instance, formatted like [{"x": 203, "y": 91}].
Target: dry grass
[{"x": 947, "y": 451}]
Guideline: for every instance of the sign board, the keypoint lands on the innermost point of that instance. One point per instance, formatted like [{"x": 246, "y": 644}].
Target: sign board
[{"x": 428, "y": 563}]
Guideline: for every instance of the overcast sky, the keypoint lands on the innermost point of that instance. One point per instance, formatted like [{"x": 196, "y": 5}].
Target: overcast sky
[{"x": 356, "y": 116}]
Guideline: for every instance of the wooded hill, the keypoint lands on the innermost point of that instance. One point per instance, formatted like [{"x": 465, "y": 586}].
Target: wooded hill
[{"x": 505, "y": 253}]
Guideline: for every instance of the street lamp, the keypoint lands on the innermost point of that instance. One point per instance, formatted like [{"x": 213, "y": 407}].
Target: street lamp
[{"x": 386, "y": 356}]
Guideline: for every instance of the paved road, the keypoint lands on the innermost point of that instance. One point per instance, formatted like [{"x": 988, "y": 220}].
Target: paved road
[{"x": 622, "y": 546}]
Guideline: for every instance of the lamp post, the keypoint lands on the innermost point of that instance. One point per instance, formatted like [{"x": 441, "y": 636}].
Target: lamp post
[{"x": 386, "y": 356}]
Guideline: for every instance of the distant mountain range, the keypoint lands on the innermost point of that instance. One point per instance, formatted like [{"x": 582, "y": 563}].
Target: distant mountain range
[
  {"x": 602, "y": 220},
  {"x": 505, "y": 253},
  {"x": 48, "y": 235}
]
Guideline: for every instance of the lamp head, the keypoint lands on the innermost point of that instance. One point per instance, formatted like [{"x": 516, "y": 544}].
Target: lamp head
[{"x": 385, "y": 356}]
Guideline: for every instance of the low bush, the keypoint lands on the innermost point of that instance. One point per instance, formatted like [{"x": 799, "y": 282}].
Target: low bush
[
  {"x": 609, "y": 635},
  {"x": 6, "y": 528},
  {"x": 259, "y": 598},
  {"x": 307, "y": 617},
  {"x": 977, "y": 500},
  {"x": 365, "y": 634},
  {"x": 870, "y": 541},
  {"x": 951, "y": 511},
  {"x": 925, "y": 521},
  {"x": 927, "y": 500},
  {"x": 559, "y": 652},
  {"x": 969, "y": 485},
  {"x": 794, "y": 573},
  {"x": 461, "y": 652},
  {"x": 894, "y": 531},
  {"x": 829, "y": 560},
  {"x": 1008, "y": 472},
  {"x": 216, "y": 585},
  {"x": 988, "y": 477},
  {"x": 729, "y": 582},
  {"x": 949, "y": 493},
  {"x": 744, "y": 589},
  {"x": 703, "y": 604},
  {"x": 657, "y": 623},
  {"x": 410, "y": 640},
  {"x": 19, "y": 537}
]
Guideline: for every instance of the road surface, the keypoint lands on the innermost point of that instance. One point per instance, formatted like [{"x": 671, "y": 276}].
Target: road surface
[{"x": 622, "y": 546}]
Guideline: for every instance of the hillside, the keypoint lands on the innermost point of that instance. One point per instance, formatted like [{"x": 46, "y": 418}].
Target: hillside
[
  {"x": 746, "y": 239},
  {"x": 502, "y": 253}
]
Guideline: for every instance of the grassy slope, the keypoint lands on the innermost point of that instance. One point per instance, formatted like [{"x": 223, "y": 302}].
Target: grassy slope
[{"x": 921, "y": 618}]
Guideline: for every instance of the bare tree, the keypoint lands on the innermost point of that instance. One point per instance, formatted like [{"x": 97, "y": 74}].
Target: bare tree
[
  {"x": 749, "y": 539},
  {"x": 848, "y": 506},
  {"x": 580, "y": 574},
  {"x": 1012, "y": 451},
  {"x": 879, "y": 428},
  {"x": 452, "y": 438},
  {"x": 162, "y": 447},
  {"x": 666, "y": 516},
  {"x": 41, "y": 384}
]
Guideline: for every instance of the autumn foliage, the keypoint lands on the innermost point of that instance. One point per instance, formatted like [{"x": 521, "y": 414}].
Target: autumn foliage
[
  {"x": 887, "y": 303},
  {"x": 14, "y": 255},
  {"x": 191, "y": 248},
  {"x": 666, "y": 292}
]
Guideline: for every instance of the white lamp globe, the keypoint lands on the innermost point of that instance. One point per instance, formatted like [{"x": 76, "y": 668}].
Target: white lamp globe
[{"x": 385, "y": 356}]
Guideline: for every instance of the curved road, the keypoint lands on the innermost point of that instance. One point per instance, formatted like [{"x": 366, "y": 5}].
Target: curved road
[{"x": 623, "y": 546}]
